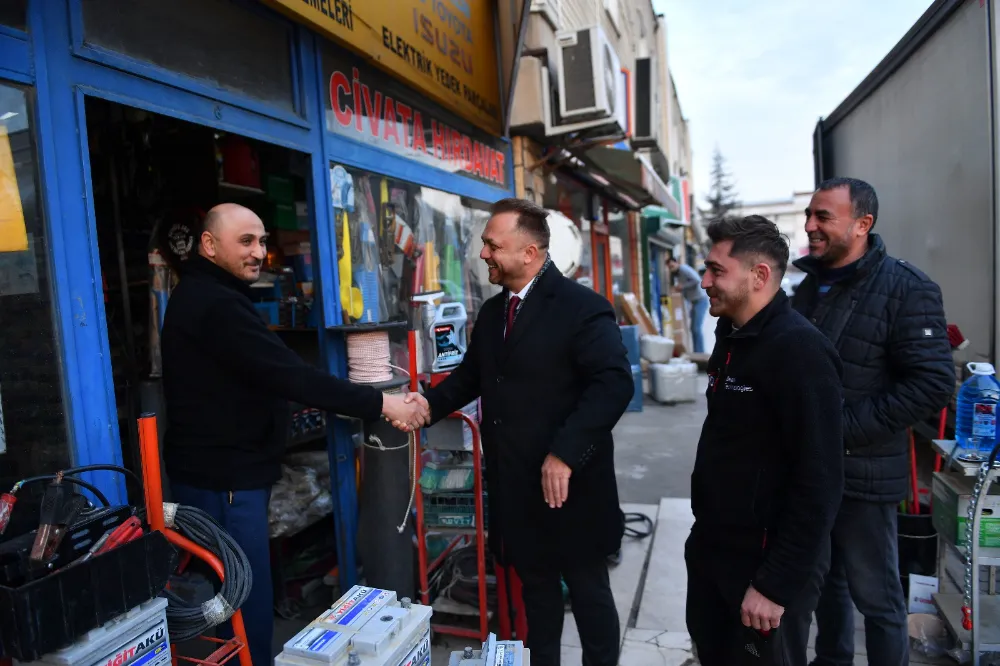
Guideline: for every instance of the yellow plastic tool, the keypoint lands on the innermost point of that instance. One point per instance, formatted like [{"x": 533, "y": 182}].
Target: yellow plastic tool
[{"x": 350, "y": 296}]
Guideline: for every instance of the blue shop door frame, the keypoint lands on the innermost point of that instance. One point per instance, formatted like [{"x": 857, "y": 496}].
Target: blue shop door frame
[{"x": 67, "y": 73}]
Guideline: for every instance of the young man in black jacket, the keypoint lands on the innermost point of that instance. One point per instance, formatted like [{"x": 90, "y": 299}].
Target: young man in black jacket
[
  {"x": 227, "y": 380},
  {"x": 886, "y": 319},
  {"x": 768, "y": 475}
]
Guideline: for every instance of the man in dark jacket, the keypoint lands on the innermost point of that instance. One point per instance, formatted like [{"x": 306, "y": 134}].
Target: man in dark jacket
[
  {"x": 547, "y": 359},
  {"x": 887, "y": 321},
  {"x": 768, "y": 475},
  {"x": 227, "y": 380}
]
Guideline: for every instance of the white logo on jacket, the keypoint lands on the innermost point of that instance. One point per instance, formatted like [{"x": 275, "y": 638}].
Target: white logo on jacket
[{"x": 733, "y": 384}]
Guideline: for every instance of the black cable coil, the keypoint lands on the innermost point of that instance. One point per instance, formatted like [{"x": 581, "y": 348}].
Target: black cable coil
[
  {"x": 458, "y": 578},
  {"x": 187, "y": 621}
]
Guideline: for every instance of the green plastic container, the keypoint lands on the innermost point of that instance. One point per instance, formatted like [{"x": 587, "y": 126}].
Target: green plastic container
[{"x": 452, "y": 509}]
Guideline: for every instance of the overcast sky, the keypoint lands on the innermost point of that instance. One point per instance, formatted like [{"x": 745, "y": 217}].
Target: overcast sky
[{"x": 753, "y": 77}]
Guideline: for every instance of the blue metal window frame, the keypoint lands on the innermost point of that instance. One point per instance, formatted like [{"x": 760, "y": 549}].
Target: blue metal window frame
[
  {"x": 65, "y": 72},
  {"x": 126, "y": 63},
  {"x": 15, "y": 56}
]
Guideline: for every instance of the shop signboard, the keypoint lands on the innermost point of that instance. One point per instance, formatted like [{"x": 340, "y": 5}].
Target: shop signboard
[
  {"x": 366, "y": 105},
  {"x": 446, "y": 49}
]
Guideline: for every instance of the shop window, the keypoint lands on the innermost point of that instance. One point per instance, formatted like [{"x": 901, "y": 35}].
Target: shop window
[
  {"x": 212, "y": 40},
  {"x": 13, "y": 14},
  {"x": 33, "y": 435},
  {"x": 396, "y": 239}
]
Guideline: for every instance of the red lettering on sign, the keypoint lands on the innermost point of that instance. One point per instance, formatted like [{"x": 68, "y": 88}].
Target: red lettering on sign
[
  {"x": 405, "y": 112},
  {"x": 419, "y": 140},
  {"x": 357, "y": 99},
  {"x": 373, "y": 113},
  {"x": 338, "y": 84},
  {"x": 390, "y": 121},
  {"x": 477, "y": 159},
  {"x": 394, "y": 122},
  {"x": 440, "y": 147}
]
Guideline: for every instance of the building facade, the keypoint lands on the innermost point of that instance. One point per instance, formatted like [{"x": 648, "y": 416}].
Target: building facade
[
  {"x": 370, "y": 138},
  {"x": 590, "y": 131}
]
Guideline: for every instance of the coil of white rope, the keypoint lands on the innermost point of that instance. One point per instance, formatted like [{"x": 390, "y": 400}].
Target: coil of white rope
[{"x": 368, "y": 357}]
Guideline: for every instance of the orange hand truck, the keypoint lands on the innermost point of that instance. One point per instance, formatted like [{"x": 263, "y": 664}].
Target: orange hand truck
[
  {"x": 479, "y": 533},
  {"x": 149, "y": 448}
]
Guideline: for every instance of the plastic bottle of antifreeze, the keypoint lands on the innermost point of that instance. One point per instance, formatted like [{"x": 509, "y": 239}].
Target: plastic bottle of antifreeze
[{"x": 976, "y": 410}]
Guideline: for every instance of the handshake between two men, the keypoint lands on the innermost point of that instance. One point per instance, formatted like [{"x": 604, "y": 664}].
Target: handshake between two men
[
  {"x": 411, "y": 411},
  {"x": 406, "y": 411}
]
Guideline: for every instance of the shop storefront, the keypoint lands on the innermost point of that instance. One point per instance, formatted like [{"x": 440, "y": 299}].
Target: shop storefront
[
  {"x": 664, "y": 234},
  {"x": 371, "y": 162}
]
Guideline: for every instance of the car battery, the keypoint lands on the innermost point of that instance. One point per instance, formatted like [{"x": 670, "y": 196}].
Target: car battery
[
  {"x": 136, "y": 638},
  {"x": 493, "y": 653},
  {"x": 366, "y": 627}
]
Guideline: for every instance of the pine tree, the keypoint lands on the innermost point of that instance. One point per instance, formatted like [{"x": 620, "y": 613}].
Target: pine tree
[{"x": 721, "y": 197}]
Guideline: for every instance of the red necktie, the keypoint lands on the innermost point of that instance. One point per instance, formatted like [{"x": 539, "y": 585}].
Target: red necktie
[{"x": 511, "y": 310}]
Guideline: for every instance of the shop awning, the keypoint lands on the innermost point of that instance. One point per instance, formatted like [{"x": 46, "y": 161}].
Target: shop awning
[
  {"x": 633, "y": 174},
  {"x": 662, "y": 215},
  {"x": 660, "y": 233}
]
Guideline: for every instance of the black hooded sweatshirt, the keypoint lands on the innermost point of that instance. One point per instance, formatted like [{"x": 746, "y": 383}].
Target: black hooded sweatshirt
[
  {"x": 768, "y": 475},
  {"x": 227, "y": 380}
]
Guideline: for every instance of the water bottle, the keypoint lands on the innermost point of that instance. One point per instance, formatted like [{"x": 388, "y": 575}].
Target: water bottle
[{"x": 976, "y": 413}]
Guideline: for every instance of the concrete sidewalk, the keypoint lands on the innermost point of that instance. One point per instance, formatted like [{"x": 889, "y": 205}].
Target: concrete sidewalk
[
  {"x": 626, "y": 582},
  {"x": 659, "y": 636}
]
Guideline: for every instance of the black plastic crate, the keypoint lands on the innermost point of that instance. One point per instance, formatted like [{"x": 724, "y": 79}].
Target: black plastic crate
[{"x": 52, "y": 613}]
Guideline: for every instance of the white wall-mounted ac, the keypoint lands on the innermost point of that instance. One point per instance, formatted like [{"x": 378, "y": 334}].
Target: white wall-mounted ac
[{"x": 589, "y": 84}]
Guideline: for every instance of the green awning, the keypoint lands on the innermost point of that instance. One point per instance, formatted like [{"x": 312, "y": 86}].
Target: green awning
[{"x": 663, "y": 216}]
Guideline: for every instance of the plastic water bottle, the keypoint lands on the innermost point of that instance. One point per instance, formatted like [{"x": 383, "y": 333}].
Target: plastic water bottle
[{"x": 976, "y": 413}]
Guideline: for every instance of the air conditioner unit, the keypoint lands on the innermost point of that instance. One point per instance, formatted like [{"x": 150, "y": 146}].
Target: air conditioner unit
[
  {"x": 589, "y": 73},
  {"x": 647, "y": 116}
]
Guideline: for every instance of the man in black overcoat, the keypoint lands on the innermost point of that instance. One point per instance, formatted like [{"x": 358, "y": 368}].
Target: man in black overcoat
[{"x": 546, "y": 358}]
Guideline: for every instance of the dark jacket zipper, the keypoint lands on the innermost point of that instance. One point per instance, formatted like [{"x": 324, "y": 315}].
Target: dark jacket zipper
[{"x": 725, "y": 371}]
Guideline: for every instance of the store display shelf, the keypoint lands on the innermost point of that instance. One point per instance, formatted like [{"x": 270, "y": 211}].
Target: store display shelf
[
  {"x": 292, "y": 329},
  {"x": 246, "y": 189},
  {"x": 950, "y": 607},
  {"x": 945, "y": 447},
  {"x": 364, "y": 328},
  {"x": 988, "y": 557}
]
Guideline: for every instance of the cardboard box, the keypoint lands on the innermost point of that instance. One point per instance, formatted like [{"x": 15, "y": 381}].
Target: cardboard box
[{"x": 949, "y": 506}]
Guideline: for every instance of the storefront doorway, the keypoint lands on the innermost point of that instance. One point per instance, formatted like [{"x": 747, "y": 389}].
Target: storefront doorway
[{"x": 152, "y": 179}]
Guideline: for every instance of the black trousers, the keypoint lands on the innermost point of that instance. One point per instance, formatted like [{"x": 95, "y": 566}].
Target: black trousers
[
  {"x": 716, "y": 586},
  {"x": 593, "y": 608}
]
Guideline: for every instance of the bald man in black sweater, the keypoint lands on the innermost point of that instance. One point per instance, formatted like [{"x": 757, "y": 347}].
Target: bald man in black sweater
[{"x": 227, "y": 380}]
